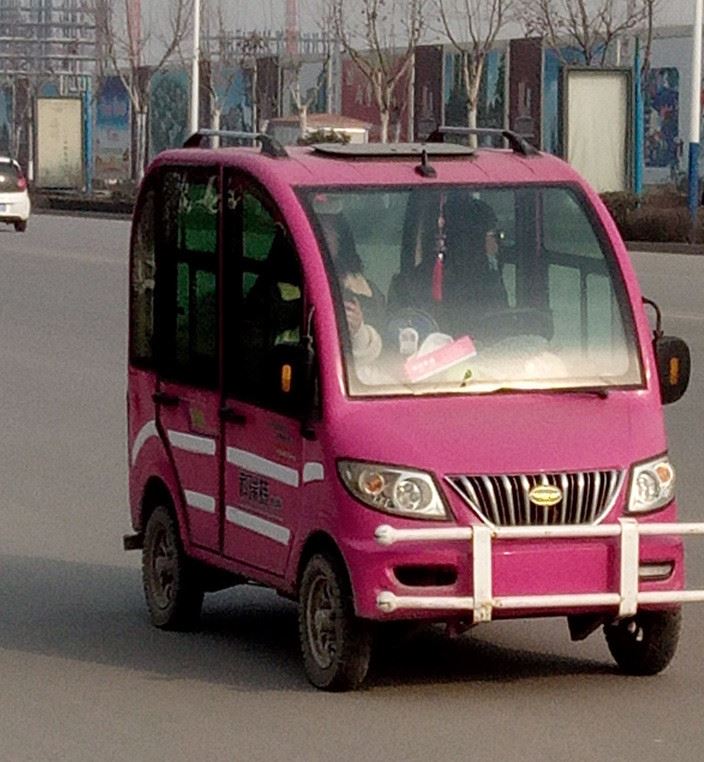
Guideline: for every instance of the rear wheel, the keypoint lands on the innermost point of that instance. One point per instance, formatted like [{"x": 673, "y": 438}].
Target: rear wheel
[
  {"x": 21, "y": 226},
  {"x": 171, "y": 588},
  {"x": 335, "y": 643},
  {"x": 645, "y": 643}
]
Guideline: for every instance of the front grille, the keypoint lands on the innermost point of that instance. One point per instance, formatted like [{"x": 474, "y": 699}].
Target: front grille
[{"x": 503, "y": 500}]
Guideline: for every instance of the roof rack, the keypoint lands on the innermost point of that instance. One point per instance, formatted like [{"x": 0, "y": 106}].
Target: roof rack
[
  {"x": 391, "y": 150},
  {"x": 270, "y": 146},
  {"x": 516, "y": 142}
]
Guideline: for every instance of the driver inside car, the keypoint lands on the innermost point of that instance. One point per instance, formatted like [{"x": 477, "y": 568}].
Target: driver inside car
[{"x": 466, "y": 283}]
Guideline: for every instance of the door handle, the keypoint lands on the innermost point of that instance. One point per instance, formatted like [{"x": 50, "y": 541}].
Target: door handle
[
  {"x": 165, "y": 399},
  {"x": 229, "y": 415}
]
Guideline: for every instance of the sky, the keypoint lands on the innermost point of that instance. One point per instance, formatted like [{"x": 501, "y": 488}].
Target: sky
[{"x": 270, "y": 14}]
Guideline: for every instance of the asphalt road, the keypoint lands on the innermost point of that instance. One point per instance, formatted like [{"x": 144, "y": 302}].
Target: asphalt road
[{"x": 84, "y": 677}]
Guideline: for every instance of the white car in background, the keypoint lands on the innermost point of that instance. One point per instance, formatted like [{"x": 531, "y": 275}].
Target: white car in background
[{"x": 14, "y": 197}]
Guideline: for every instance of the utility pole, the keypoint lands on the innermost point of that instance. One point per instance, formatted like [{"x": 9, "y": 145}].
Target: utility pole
[
  {"x": 195, "y": 69},
  {"x": 695, "y": 113}
]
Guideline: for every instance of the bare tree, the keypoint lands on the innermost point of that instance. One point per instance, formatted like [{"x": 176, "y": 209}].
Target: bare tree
[
  {"x": 590, "y": 27},
  {"x": 382, "y": 46},
  {"x": 293, "y": 61},
  {"x": 124, "y": 46},
  {"x": 250, "y": 48},
  {"x": 471, "y": 26}
]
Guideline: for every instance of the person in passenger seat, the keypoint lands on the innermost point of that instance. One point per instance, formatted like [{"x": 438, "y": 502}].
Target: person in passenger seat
[{"x": 365, "y": 306}]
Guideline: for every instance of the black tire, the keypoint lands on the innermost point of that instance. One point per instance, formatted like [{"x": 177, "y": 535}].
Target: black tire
[
  {"x": 335, "y": 643},
  {"x": 20, "y": 227},
  {"x": 644, "y": 644},
  {"x": 174, "y": 596}
]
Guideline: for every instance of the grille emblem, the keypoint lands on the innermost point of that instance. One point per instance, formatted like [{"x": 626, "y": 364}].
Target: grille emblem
[{"x": 545, "y": 495}]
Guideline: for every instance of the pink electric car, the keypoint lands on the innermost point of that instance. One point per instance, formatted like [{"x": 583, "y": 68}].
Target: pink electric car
[{"x": 409, "y": 382}]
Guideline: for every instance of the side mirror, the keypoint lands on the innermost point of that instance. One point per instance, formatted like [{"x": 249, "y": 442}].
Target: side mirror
[
  {"x": 672, "y": 359},
  {"x": 674, "y": 366}
]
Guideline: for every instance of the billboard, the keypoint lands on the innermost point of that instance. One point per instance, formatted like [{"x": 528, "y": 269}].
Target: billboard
[
  {"x": 597, "y": 125},
  {"x": 168, "y": 110},
  {"x": 113, "y": 136},
  {"x": 526, "y": 88},
  {"x": 6, "y": 120},
  {"x": 661, "y": 105},
  {"x": 491, "y": 100},
  {"x": 59, "y": 156},
  {"x": 267, "y": 89},
  {"x": 234, "y": 94},
  {"x": 427, "y": 90}
]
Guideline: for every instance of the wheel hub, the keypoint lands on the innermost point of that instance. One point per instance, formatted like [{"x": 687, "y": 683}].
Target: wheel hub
[{"x": 322, "y": 630}]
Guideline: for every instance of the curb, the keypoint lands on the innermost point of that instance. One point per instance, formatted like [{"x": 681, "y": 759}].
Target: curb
[{"x": 665, "y": 247}]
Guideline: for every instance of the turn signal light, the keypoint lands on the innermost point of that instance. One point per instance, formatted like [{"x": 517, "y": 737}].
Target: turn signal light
[{"x": 21, "y": 183}]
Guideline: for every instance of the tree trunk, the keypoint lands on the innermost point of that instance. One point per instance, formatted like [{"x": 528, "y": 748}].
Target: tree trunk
[
  {"x": 255, "y": 110},
  {"x": 384, "y": 116},
  {"x": 215, "y": 119},
  {"x": 472, "y": 82},
  {"x": 303, "y": 119}
]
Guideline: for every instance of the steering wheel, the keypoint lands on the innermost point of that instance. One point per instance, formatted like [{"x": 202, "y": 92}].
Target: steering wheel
[{"x": 410, "y": 317}]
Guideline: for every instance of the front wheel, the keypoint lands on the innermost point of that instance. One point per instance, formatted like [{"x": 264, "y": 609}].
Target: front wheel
[
  {"x": 21, "y": 226},
  {"x": 171, "y": 588},
  {"x": 335, "y": 643},
  {"x": 645, "y": 643}
]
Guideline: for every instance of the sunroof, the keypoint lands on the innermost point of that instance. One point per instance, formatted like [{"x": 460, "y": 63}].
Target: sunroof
[{"x": 391, "y": 150}]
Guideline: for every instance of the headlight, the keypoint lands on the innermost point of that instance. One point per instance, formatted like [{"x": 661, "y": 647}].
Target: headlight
[
  {"x": 393, "y": 490},
  {"x": 652, "y": 485}
]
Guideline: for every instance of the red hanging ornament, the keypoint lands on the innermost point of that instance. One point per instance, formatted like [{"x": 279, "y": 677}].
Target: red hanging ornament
[{"x": 439, "y": 266}]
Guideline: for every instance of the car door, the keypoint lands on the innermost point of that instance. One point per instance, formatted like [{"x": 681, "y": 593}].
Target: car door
[
  {"x": 187, "y": 395},
  {"x": 262, "y": 456}
]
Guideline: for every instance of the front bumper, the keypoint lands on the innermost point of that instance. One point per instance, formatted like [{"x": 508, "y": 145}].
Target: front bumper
[{"x": 613, "y": 549}]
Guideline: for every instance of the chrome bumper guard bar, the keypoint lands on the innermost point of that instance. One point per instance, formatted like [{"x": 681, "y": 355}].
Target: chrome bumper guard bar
[{"x": 483, "y": 602}]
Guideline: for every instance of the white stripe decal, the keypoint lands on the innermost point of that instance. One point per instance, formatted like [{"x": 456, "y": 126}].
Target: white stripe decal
[
  {"x": 191, "y": 443},
  {"x": 258, "y": 465},
  {"x": 258, "y": 525},
  {"x": 313, "y": 472},
  {"x": 200, "y": 501},
  {"x": 145, "y": 433}
]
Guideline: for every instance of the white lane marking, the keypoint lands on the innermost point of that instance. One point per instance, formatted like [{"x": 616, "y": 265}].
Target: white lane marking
[
  {"x": 200, "y": 501},
  {"x": 143, "y": 435},
  {"x": 258, "y": 465},
  {"x": 313, "y": 472},
  {"x": 258, "y": 525},
  {"x": 192, "y": 443}
]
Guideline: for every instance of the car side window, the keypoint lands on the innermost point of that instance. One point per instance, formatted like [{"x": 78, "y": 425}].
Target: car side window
[
  {"x": 267, "y": 286},
  {"x": 142, "y": 272},
  {"x": 187, "y": 286}
]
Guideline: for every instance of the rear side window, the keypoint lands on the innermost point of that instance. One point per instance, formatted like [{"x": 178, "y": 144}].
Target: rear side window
[
  {"x": 142, "y": 274},
  {"x": 187, "y": 287},
  {"x": 9, "y": 175}
]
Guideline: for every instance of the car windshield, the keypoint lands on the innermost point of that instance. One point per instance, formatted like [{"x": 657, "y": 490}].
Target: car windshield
[
  {"x": 8, "y": 176},
  {"x": 469, "y": 290}
]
